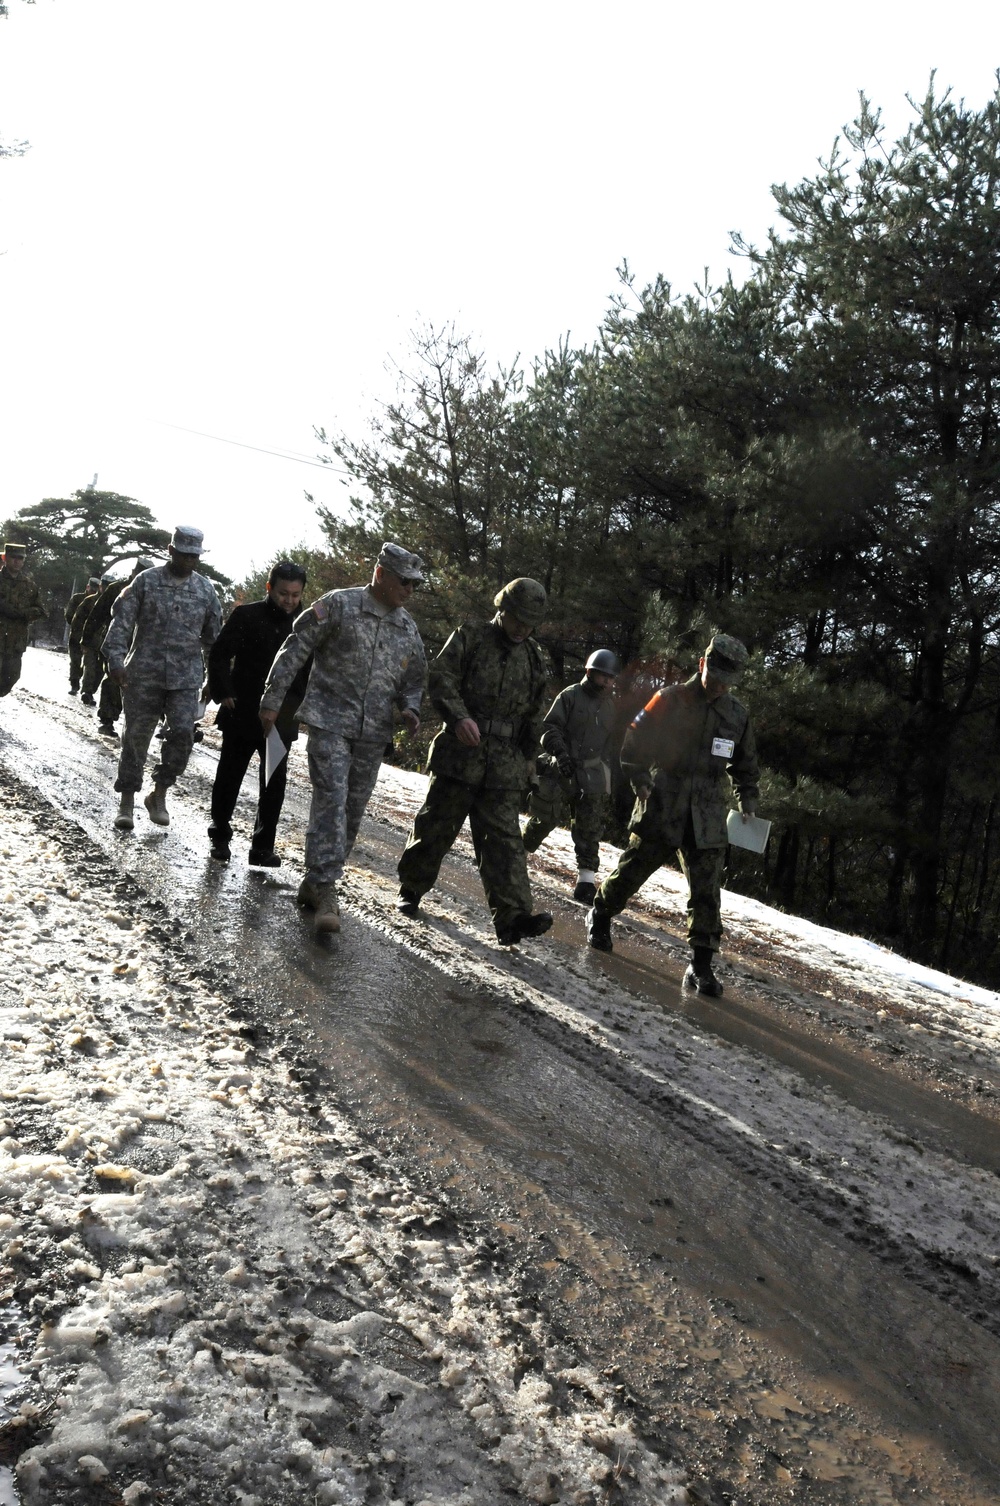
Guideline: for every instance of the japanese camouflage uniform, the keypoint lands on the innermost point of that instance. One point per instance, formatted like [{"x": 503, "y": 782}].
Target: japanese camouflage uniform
[
  {"x": 578, "y": 730},
  {"x": 161, "y": 625},
  {"x": 683, "y": 746},
  {"x": 75, "y": 646},
  {"x": 502, "y": 686},
  {"x": 95, "y": 627},
  {"x": 367, "y": 658},
  {"x": 20, "y": 606}
]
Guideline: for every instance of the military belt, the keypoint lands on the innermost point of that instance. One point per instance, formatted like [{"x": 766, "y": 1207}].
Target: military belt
[{"x": 496, "y": 729}]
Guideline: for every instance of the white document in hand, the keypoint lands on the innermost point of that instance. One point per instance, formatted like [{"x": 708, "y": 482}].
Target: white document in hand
[
  {"x": 751, "y": 833},
  {"x": 275, "y": 751}
]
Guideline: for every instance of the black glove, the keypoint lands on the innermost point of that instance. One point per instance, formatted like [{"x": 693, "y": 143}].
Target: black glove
[{"x": 565, "y": 767}]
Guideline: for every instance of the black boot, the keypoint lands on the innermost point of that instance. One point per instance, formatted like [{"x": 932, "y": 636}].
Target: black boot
[
  {"x": 599, "y": 930},
  {"x": 585, "y": 892},
  {"x": 700, "y": 975},
  {"x": 524, "y": 927},
  {"x": 408, "y": 902}
]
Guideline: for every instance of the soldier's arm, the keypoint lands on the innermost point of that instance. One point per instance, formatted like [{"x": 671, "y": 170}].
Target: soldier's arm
[
  {"x": 311, "y": 628},
  {"x": 555, "y": 732},
  {"x": 124, "y": 615},
  {"x": 445, "y": 680},
  {"x": 212, "y": 621},
  {"x": 638, "y": 748},
  {"x": 744, "y": 770},
  {"x": 410, "y": 693},
  {"x": 71, "y": 607}
]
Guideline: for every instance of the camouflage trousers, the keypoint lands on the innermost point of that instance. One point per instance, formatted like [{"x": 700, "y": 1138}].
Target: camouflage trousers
[
  {"x": 144, "y": 705},
  {"x": 496, "y": 838},
  {"x": 701, "y": 866},
  {"x": 10, "y": 670},
  {"x": 343, "y": 772},
  {"x": 75, "y": 664},
  {"x": 587, "y": 815},
  {"x": 93, "y": 668}
]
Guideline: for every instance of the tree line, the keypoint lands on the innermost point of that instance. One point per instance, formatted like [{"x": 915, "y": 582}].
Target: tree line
[{"x": 807, "y": 457}]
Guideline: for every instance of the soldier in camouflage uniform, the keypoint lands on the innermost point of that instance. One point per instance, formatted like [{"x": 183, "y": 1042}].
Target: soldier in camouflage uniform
[
  {"x": 368, "y": 657},
  {"x": 20, "y": 606},
  {"x": 90, "y": 649},
  {"x": 574, "y": 775},
  {"x": 75, "y": 646},
  {"x": 161, "y": 626},
  {"x": 95, "y": 627},
  {"x": 489, "y": 683},
  {"x": 677, "y": 753}
]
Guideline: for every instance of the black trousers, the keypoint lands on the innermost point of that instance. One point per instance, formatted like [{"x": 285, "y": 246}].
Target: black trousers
[{"x": 238, "y": 747}]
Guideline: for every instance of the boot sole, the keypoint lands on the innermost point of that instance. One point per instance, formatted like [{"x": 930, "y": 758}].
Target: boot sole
[
  {"x": 124, "y": 823},
  {"x": 327, "y": 925}
]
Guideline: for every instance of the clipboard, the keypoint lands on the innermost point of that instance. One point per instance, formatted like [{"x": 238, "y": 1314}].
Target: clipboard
[{"x": 751, "y": 833}]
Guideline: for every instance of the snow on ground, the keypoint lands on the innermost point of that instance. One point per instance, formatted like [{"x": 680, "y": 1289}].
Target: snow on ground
[
  {"x": 221, "y": 1294},
  {"x": 941, "y": 1212}
]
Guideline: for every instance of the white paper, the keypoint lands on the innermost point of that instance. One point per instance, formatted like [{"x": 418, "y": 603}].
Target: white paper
[
  {"x": 751, "y": 833},
  {"x": 274, "y": 752}
]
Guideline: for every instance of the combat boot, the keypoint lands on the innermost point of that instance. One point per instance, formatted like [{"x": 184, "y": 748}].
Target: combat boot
[
  {"x": 261, "y": 859},
  {"x": 524, "y": 927},
  {"x": 156, "y": 804},
  {"x": 585, "y": 892},
  {"x": 327, "y": 910},
  {"x": 107, "y": 729},
  {"x": 599, "y": 930},
  {"x": 125, "y": 821},
  {"x": 700, "y": 975},
  {"x": 308, "y": 894},
  {"x": 408, "y": 902}
]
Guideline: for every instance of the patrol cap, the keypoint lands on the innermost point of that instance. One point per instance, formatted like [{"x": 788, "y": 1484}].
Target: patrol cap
[
  {"x": 401, "y": 562},
  {"x": 188, "y": 540},
  {"x": 95, "y": 580},
  {"x": 106, "y": 579},
  {"x": 523, "y": 597},
  {"x": 17, "y": 550},
  {"x": 726, "y": 658},
  {"x": 604, "y": 660}
]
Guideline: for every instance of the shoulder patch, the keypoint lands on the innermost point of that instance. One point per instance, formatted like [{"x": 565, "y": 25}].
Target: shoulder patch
[
  {"x": 648, "y": 710},
  {"x": 320, "y": 610}
]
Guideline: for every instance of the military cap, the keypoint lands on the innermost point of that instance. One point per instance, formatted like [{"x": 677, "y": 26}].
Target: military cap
[
  {"x": 18, "y": 550},
  {"x": 401, "y": 562},
  {"x": 523, "y": 597},
  {"x": 726, "y": 658},
  {"x": 144, "y": 563},
  {"x": 188, "y": 540},
  {"x": 95, "y": 580},
  {"x": 106, "y": 579}
]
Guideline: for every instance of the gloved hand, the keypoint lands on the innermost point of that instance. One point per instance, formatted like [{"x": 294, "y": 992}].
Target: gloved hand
[{"x": 565, "y": 767}]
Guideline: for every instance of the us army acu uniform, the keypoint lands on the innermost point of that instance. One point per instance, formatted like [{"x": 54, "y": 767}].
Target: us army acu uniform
[
  {"x": 161, "y": 626},
  {"x": 367, "y": 658},
  {"x": 75, "y": 646},
  {"x": 681, "y": 748},
  {"x": 575, "y": 771},
  {"x": 20, "y": 606},
  {"x": 499, "y": 683}
]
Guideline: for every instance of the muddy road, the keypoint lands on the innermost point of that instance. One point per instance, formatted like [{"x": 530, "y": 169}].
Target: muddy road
[{"x": 772, "y": 1218}]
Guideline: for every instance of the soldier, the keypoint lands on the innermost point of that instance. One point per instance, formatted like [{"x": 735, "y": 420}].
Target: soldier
[
  {"x": 575, "y": 770},
  {"x": 75, "y": 646},
  {"x": 489, "y": 684},
  {"x": 238, "y": 666},
  {"x": 161, "y": 625},
  {"x": 367, "y": 657},
  {"x": 93, "y": 661},
  {"x": 109, "y": 702},
  {"x": 20, "y": 606},
  {"x": 676, "y": 753}
]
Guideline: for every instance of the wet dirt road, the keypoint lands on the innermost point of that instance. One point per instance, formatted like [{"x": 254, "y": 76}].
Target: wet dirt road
[{"x": 773, "y": 1339}]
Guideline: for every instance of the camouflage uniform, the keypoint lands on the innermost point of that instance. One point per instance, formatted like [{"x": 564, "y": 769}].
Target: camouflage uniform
[
  {"x": 482, "y": 675},
  {"x": 367, "y": 658},
  {"x": 109, "y": 705},
  {"x": 579, "y": 726},
  {"x": 75, "y": 646},
  {"x": 160, "y": 626},
  {"x": 682, "y": 745},
  {"x": 20, "y": 606}
]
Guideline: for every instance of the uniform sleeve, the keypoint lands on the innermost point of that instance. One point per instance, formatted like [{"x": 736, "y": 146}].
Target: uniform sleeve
[
  {"x": 311, "y": 628},
  {"x": 35, "y": 609},
  {"x": 71, "y": 607},
  {"x": 220, "y": 659},
  {"x": 411, "y": 688},
  {"x": 744, "y": 771},
  {"x": 212, "y": 621},
  {"x": 531, "y": 734},
  {"x": 124, "y": 616},
  {"x": 638, "y": 747},
  {"x": 555, "y": 728},
  {"x": 445, "y": 679}
]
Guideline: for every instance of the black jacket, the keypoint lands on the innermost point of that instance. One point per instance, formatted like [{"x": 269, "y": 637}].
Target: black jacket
[{"x": 238, "y": 665}]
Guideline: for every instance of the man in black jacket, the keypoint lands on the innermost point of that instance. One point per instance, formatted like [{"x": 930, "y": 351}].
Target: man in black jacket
[{"x": 238, "y": 665}]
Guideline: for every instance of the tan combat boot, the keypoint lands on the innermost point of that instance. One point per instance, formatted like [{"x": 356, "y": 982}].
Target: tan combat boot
[
  {"x": 124, "y": 819},
  {"x": 308, "y": 894},
  {"x": 327, "y": 909},
  {"x": 156, "y": 804}
]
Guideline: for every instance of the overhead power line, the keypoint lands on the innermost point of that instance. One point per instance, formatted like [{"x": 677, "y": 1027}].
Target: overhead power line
[{"x": 260, "y": 449}]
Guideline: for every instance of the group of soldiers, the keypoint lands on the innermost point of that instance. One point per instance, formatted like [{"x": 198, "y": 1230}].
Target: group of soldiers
[{"x": 345, "y": 668}]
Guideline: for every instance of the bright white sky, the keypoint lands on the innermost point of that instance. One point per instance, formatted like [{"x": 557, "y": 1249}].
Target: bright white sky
[{"x": 234, "y": 211}]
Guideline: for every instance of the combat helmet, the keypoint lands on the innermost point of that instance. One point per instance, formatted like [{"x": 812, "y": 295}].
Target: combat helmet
[{"x": 605, "y": 661}]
